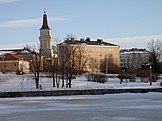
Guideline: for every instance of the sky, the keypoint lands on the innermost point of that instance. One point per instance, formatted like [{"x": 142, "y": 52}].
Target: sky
[{"x": 127, "y": 23}]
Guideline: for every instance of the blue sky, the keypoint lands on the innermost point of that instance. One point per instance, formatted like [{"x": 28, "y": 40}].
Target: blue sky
[{"x": 128, "y": 23}]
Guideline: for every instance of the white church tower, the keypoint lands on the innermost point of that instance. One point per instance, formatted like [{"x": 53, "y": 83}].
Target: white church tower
[{"x": 45, "y": 39}]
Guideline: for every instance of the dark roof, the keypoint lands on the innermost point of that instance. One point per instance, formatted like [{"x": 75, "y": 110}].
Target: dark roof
[
  {"x": 134, "y": 49},
  {"x": 87, "y": 42},
  {"x": 23, "y": 51},
  {"x": 45, "y": 22}
]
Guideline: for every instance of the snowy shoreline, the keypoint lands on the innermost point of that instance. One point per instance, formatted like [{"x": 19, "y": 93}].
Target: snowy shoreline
[
  {"x": 20, "y": 84},
  {"x": 76, "y": 92}
]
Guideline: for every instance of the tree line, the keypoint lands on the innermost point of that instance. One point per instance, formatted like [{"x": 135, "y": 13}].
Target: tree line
[{"x": 72, "y": 60}]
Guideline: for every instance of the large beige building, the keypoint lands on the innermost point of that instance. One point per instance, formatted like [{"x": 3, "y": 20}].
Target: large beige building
[{"x": 98, "y": 56}]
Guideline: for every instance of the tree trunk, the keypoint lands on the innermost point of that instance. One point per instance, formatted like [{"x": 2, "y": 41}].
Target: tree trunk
[
  {"x": 67, "y": 78},
  {"x": 37, "y": 83},
  {"x": 150, "y": 82},
  {"x": 58, "y": 82},
  {"x": 53, "y": 75},
  {"x": 151, "y": 78},
  {"x": 70, "y": 77},
  {"x": 63, "y": 82}
]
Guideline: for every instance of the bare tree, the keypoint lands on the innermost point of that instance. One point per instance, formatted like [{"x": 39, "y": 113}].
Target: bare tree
[
  {"x": 53, "y": 70},
  {"x": 35, "y": 62},
  {"x": 71, "y": 59},
  {"x": 155, "y": 48},
  {"x": 62, "y": 63},
  {"x": 81, "y": 58},
  {"x": 70, "y": 36},
  {"x": 71, "y": 63},
  {"x": 54, "y": 67}
]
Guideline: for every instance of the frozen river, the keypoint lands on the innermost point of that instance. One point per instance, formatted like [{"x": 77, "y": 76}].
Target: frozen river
[{"x": 116, "y": 107}]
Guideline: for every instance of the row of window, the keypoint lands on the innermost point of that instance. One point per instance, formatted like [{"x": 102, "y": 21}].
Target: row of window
[
  {"x": 99, "y": 49},
  {"x": 122, "y": 60},
  {"x": 137, "y": 54}
]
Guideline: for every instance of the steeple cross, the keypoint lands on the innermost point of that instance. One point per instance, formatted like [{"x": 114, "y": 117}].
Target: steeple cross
[{"x": 44, "y": 10}]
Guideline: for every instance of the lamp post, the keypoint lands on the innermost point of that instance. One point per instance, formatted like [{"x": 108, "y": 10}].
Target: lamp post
[
  {"x": 150, "y": 75},
  {"x": 106, "y": 64}
]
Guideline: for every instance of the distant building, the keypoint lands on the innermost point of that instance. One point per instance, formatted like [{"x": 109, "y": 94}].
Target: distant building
[
  {"x": 99, "y": 56},
  {"x": 13, "y": 63},
  {"x": 133, "y": 58}
]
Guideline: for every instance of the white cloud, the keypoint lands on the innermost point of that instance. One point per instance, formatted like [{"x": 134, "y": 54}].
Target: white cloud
[
  {"x": 28, "y": 22},
  {"x": 8, "y": 1},
  {"x": 137, "y": 38},
  {"x": 16, "y": 46},
  {"x": 134, "y": 41},
  {"x": 127, "y": 42}
]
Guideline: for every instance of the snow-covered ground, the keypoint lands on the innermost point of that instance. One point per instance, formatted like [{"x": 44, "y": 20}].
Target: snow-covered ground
[
  {"x": 112, "y": 107},
  {"x": 13, "y": 82}
]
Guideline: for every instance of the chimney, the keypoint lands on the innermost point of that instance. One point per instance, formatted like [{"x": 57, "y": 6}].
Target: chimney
[{"x": 99, "y": 41}]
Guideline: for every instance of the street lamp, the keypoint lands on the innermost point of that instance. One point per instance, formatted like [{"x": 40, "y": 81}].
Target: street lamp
[
  {"x": 150, "y": 75},
  {"x": 106, "y": 64}
]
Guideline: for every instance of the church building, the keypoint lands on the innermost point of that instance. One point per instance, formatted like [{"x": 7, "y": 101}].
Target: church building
[{"x": 45, "y": 39}]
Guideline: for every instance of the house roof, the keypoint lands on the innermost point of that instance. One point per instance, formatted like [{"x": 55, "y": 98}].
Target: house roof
[
  {"x": 134, "y": 50},
  {"x": 10, "y": 56},
  {"x": 86, "y": 42}
]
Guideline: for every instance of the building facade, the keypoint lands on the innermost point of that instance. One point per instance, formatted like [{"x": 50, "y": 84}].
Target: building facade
[
  {"x": 13, "y": 63},
  {"x": 45, "y": 39},
  {"x": 133, "y": 58},
  {"x": 92, "y": 56}
]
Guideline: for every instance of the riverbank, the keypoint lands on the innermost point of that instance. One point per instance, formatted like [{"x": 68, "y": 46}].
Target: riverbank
[{"x": 75, "y": 92}]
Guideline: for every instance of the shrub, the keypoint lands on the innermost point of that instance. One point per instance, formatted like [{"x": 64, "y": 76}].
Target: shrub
[
  {"x": 96, "y": 77},
  {"x": 130, "y": 77}
]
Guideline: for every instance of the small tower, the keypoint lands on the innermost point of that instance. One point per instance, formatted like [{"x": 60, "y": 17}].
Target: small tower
[{"x": 45, "y": 39}]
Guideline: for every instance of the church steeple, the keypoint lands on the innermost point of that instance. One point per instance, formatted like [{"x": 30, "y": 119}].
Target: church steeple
[
  {"x": 45, "y": 39},
  {"x": 45, "y": 21}
]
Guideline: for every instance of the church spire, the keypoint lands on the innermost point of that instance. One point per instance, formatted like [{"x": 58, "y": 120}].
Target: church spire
[{"x": 45, "y": 22}]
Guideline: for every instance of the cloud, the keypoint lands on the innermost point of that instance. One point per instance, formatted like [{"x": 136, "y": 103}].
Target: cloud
[
  {"x": 17, "y": 45},
  {"x": 127, "y": 42},
  {"x": 28, "y": 22},
  {"x": 137, "y": 38},
  {"x": 8, "y": 1},
  {"x": 134, "y": 41}
]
